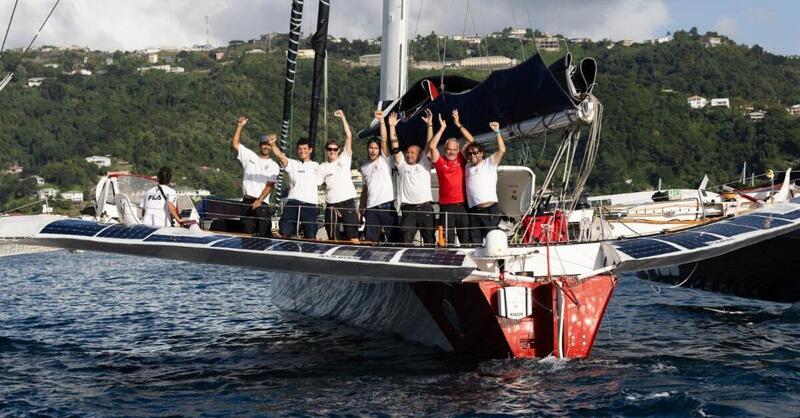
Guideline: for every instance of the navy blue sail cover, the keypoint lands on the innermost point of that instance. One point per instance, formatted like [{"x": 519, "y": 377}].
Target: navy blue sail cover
[{"x": 506, "y": 96}]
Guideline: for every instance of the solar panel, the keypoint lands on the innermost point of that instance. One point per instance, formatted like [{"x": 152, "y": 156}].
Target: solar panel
[
  {"x": 73, "y": 227},
  {"x": 302, "y": 247},
  {"x": 435, "y": 257},
  {"x": 256, "y": 244},
  {"x": 795, "y": 214},
  {"x": 759, "y": 222},
  {"x": 121, "y": 231},
  {"x": 366, "y": 254},
  {"x": 725, "y": 229},
  {"x": 644, "y": 247},
  {"x": 183, "y": 239},
  {"x": 689, "y": 240}
]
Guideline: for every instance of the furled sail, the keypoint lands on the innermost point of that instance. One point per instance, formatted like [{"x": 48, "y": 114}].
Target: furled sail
[
  {"x": 291, "y": 64},
  {"x": 319, "y": 42}
]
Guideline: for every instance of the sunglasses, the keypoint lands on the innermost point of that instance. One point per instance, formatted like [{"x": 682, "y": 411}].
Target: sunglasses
[
  {"x": 332, "y": 149},
  {"x": 476, "y": 152}
]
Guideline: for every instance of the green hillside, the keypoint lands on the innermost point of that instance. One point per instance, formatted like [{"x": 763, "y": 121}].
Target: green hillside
[{"x": 185, "y": 120}]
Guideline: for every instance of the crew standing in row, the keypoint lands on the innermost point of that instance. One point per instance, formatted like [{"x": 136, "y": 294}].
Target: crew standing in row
[
  {"x": 377, "y": 193},
  {"x": 260, "y": 175},
  {"x": 340, "y": 193},
  {"x": 414, "y": 169}
]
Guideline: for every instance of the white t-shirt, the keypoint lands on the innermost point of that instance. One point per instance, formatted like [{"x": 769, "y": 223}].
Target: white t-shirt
[
  {"x": 337, "y": 179},
  {"x": 415, "y": 181},
  {"x": 481, "y": 182},
  {"x": 156, "y": 211},
  {"x": 303, "y": 180},
  {"x": 377, "y": 177},
  {"x": 257, "y": 172}
]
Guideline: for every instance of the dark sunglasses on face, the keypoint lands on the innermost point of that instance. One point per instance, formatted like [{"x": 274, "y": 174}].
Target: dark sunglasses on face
[
  {"x": 476, "y": 152},
  {"x": 332, "y": 149}
]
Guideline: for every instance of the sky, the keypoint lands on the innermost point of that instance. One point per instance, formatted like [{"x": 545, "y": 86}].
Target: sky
[{"x": 139, "y": 24}]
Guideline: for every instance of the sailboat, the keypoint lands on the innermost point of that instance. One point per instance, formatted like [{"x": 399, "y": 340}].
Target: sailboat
[{"x": 498, "y": 299}]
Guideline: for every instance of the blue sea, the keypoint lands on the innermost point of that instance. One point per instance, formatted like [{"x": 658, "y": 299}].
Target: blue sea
[{"x": 86, "y": 334}]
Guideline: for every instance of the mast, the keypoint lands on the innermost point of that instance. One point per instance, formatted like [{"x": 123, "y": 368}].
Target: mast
[
  {"x": 319, "y": 42},
  {"x": 394, "y": 49},
  {"x": 288, "y": 91}
]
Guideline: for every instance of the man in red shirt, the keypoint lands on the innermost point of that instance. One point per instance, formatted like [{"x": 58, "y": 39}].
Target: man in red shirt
[{"x": 450, "y": 171}]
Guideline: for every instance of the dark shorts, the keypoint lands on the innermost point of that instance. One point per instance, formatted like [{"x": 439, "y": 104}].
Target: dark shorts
[
  {"x": 381, "y": 218},
  {"x": 341, "y": 220},
  {"x": 299, "y": 216}
]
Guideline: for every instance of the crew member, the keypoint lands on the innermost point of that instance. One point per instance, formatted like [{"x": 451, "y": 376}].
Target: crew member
[
  {"x": 415, "y": 189},
  {"x": 260, "y": 175},
  {"x": 159, "y": 202},
  {"x": 481, "y": 180},
  {"x": 377, "y": 194},
  {"x": 450, "y": 171},
  {"x": 340, "y": 193},
  {"x": 300, "y": 211}
]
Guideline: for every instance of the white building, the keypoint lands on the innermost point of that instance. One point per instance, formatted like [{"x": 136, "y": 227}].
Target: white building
[
  {"x": 713, "y": 41},
  {"x": 152, "y": 58},
  {"x": 254, "y": 51},
  {"x": 35, "y": 81},
  {"x": 370, "y": 60},
  {"x": 39, "y": 180},
  {"x": 177, "y": 70},
  {"x": 473, "y": 40},
  {"x": 46, "y": 193},
  {"x": 14, "y": 168},
  {"x": 165, "y": 68},
  {"x": 488, "y": 62},
  {"x": 99, "y": 161},
  {"x": 51, "y": 65},
  {"x": 518, "y": 33},
  {"x": 550, "y": 44},
  {"x": 757, "y": 115},
  {"x": 73, "y": 196},
  {"x": 794, "y": 110},
  {"x": 305, "y": 54},
  {"x": 721, "y": 102},
  {"x": 627, "y": 42},
  {"x": 697, "y": 102},
  {"x": 109, "y": 61}
]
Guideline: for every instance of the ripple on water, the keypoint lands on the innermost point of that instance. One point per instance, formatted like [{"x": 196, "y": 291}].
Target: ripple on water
[{"x": 106, "y": 335}]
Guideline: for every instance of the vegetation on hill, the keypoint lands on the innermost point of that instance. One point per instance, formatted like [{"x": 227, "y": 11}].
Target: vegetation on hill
[{"x": 185, "y": 120}]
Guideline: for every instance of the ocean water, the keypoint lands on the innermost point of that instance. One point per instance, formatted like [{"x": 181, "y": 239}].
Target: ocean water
[{"x": 104, "y": 335}]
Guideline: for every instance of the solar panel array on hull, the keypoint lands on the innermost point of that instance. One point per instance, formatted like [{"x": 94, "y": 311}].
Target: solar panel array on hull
[
  {"x": 759, "y": 222},
  {"x": 366, "y": 254},
  {"x": 73, "y": 227},
  {"x": 301, "y": 247},
  {"x": 725, "y": 229},
  {"x": 435, "y": 257},
  {"x": 689, "y": 240},
  {"x": 795, "y": 214},
  {"x": 256, "y": 244},
  {"x": 643, "y": 247},
  {"x": 183, "y": 239},
  {"x": 121, "y": 231}
]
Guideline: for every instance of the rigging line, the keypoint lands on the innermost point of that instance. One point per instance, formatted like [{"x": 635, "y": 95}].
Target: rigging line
[
  {"x": 419, "y": 13},
  {"x": 687, "y": 277},
  {"x": 8, "y": 29},
  {"x": 514, "y": 20},
  {"x": 42, "y": 27},
  {"x": 466, "y": 15},
  {"x": 533, "y": 31},
  {"x": 560, "y": 22}
]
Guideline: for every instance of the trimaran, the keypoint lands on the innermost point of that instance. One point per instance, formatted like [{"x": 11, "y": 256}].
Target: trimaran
[{"x": 502, "y": 298}]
